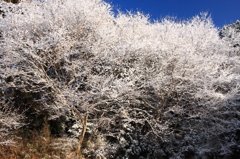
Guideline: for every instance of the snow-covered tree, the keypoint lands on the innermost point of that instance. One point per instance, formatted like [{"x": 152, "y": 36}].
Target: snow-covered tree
[{"x": 158, "y": 90}]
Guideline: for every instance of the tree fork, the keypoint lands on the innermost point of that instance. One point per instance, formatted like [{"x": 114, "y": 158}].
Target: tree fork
[{"x": 84, "y": 124}]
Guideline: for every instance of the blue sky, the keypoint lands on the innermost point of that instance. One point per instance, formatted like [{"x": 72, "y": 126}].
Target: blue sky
[{"x": 222, "y": 11}]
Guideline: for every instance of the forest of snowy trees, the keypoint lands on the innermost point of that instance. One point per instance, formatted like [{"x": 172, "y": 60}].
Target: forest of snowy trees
[{"x": 80, "y": 81}]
